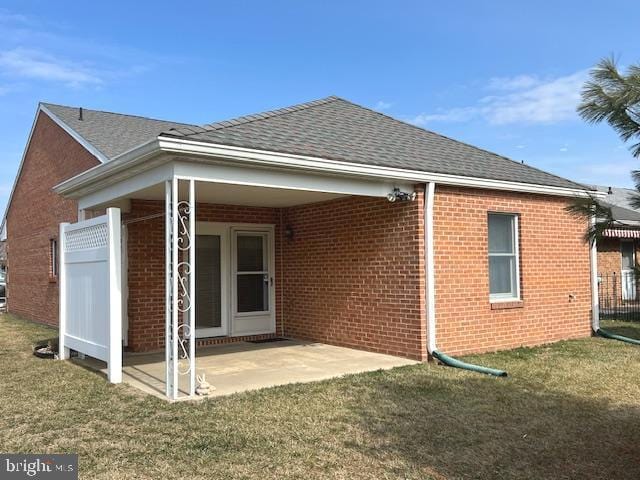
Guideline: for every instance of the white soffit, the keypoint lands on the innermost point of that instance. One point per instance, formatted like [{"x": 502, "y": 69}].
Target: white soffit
[{"x": 230, "y": 194}]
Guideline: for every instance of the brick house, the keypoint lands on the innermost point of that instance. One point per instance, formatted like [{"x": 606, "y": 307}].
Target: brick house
[
  {"x": 324, "y": 221},
  {"x": 619, "y": 248}
]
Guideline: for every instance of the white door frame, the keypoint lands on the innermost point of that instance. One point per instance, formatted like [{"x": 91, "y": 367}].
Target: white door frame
[
  {"x": 254, "y": 323},
  {"x": 233, "y": 323},
  {"x": 208, "y": 228}
]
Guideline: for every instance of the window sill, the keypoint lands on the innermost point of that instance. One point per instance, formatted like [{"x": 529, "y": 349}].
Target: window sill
[{"x": 507, "y": 305}]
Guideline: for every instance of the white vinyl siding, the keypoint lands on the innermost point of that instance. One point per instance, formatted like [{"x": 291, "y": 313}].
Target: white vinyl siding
[{"x": 504, "y": 268}]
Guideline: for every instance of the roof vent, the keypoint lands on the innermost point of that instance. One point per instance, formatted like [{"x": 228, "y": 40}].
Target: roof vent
[
  {"x": 610, "y": 191},
  {"x": 80, "y": 113}
]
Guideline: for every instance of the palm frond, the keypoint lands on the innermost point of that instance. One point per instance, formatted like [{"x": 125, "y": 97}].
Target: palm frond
[
  {"x": 586, "y": 209},
  {"x": 613, "y": 97}
]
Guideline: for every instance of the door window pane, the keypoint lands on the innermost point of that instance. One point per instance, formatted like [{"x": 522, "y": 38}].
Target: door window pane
[
  {"x": 208, "y": 278},
  {"x": 253, "y": 292},
  {"x": 251, "y": 256}
]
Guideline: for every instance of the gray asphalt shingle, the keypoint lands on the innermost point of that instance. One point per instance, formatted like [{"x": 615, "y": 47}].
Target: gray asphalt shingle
[
  {"x": 330, "y": 128},
  {"x": 111, "y": 133},
  {"x": 620, "y": 200}
]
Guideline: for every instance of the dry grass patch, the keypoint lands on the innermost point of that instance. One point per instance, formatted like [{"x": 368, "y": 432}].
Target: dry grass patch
[{"x": 569, "y": 410}]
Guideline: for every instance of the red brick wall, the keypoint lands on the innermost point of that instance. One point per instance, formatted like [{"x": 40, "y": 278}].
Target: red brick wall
[
  {"x": 34, "y": 216},
  {"x": 554, "y": 263},
  {"x": 354, "y": 275},
  {"x": 146, "y": 270},
  {"x": 609, "y": 258}
]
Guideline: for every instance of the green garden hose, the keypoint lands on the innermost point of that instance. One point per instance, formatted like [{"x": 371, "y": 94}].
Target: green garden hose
[
  {"x": 613, "y": 336},
  {"x": 452, "y": 362}
]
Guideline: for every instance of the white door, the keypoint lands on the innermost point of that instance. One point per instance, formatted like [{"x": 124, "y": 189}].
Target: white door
[
  {"x": 212, "y": 273},
  {"x": 628, "y": 277},
  {"x": 252, "y": 281}
]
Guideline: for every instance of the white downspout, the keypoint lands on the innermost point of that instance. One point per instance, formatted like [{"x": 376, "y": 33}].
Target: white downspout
[
  {"x": 595, "y": 301},
  {"x": 430, "y": 287},
  {"x": 429, "y": 261}
]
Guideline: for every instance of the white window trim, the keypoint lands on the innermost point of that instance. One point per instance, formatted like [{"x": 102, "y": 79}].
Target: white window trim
[{"x": 502, "y": 297}]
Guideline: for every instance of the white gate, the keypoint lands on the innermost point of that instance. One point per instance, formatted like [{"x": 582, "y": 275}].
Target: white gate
[{"x": 90, "y": 290}]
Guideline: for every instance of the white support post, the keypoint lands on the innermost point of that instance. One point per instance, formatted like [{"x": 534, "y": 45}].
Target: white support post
[
  {"x": 168, "y": 343},
  {"x": 174, "y": 288},
  {"x": 63, "y": 350},
  {"x": 115, "y": 296},
  {"x": 192, "y": 287}
]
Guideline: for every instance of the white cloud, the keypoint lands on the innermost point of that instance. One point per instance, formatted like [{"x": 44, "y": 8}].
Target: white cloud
[
  {"x": 454, "y": 115},
  {"x": 564, "y": 149},
  {"x": 382, "y": 105},
  {"x": 512, "y": 83},
  {"x": 21, "y": 62},
  {"x": 7, "y": 17},
  {"x": 547, "y": 102},
  {"x": 523, "y": 99}
]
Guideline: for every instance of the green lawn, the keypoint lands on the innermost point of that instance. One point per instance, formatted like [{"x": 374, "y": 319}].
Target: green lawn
[{"x": 570, "y": 410}]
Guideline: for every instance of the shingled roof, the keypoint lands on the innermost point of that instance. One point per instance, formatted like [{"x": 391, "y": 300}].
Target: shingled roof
[
  {"x": 111, "y": 133},
  {"x": 331, "y": 128},
  {"x": 621, "y": 203}
]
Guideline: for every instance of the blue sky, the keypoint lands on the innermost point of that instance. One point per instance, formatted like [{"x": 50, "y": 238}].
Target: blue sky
[{"x": 501, "y": 75}]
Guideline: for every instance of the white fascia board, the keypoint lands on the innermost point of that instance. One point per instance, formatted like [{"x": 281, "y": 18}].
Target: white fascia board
[
  {"x": 290, "y": 179},
  {"x": 290, "y": 161},
  {"x": 123, "y": 188},
  {"x": 337, "y": 167},
  {"x": 234, "y": 174}
]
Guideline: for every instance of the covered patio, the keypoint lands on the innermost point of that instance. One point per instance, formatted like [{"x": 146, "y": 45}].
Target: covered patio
[
  {"x": 245, "y": 366},
  {"x": 204, "y": 241}
]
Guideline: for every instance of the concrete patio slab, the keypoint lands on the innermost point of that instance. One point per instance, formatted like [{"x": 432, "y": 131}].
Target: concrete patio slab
[{"x": 244, "y": 366}]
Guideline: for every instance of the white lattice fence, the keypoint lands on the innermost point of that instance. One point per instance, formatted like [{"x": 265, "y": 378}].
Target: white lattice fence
[{"x": 90, "y": 290}]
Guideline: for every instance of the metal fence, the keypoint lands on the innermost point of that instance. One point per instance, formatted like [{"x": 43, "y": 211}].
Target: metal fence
[{"x": 619, "y": 296}]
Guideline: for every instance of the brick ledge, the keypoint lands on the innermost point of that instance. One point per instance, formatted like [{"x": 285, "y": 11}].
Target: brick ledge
[{"x": 507, "y": 305}]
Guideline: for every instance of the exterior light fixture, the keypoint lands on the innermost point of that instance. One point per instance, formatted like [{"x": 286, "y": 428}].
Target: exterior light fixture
[
  {"x": 397, "y": 195},
  {"x": 288, "y": 232}
]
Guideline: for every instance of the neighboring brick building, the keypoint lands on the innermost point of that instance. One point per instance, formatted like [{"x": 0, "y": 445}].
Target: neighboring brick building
[
  {"x": 618, "y": 250},
  {"x": 311, "y": 224}
]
